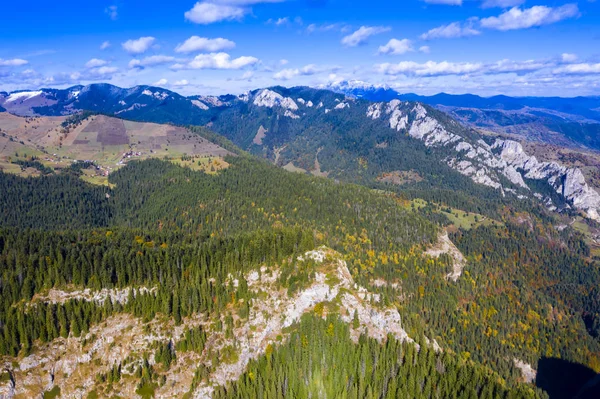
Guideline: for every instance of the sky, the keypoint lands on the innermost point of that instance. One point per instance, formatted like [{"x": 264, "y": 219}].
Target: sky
[{"x": 485, "y": 47}]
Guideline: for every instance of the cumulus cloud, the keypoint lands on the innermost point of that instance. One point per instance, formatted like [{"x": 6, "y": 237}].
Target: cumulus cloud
[
  {"x": 515, "y": 18},
  {"x": 138, "y": 46},
  {"x": 568, "y": 58},
  {"x": 361, "y": 35},
  {"x": 432, "y": 68},
  {"x": 217, "y": 61},
  {"x": 501, "y": 3},
  {"x": 95, "y": 62},
  {"x": 429, "y": 68},
  {"x": 450, "y": 31},
  {"x": 151, "y": 61},
  {"x": 286, "y": 74},
  {"x": 425, "y": 49},
  {"x": 105, "y": 45},
  {"x": 211, "y": 11},
  {"x": 161, "y": 82},
  {"x": 196, "y": 43},
  {"x": 101, "y": 72},
  {"x": 578, "y": 69},
  {"x": 13, "y": 62},
  {"x": 208, "y": 13},
  {"x": 396, "y": 47},
  {"x": 307, "y": 70},
  {"x": 518, "y": 67},
  {"x": 181, "y": 83}
]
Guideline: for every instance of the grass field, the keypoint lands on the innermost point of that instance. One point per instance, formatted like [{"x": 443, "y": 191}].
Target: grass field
[
  {"x": 207, "y": 164},
  {"x": 580, "y": 225},
  {"x": 458, "y": 217}
]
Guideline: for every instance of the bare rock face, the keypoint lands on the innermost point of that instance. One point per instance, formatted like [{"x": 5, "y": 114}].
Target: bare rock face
[
  {"x": 446, "y": 246},
  {"x": 568, "y": 182},
  {"x": 270, "y": 99},
  {"x": 504, "y": 165}
]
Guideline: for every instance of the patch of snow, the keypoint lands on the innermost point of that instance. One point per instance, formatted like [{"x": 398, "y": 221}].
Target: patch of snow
[{"x": 342, "y": 106}]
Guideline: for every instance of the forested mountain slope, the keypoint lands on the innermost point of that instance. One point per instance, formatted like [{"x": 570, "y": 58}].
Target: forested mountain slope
[
  {"x": 169, "y": 282},
  {"x": 328, "y": 134},
  {"x": 190, "y": 280}
]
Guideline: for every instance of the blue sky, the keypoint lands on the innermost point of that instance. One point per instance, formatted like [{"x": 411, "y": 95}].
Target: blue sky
[{"x": 487, "y": 47}]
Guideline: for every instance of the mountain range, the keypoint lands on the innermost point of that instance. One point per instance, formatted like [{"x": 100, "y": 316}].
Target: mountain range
[
  {"x": 346, "y": 136},
  {"x": 573, "y": 122},
  {"x": 152, "y": 245}
]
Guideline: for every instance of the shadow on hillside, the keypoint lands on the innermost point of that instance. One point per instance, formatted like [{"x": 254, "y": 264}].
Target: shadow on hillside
[{"x": 563, "y": 379}]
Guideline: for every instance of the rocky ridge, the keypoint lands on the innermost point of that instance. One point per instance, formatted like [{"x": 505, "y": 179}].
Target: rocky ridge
[
  {"x": 72, "y": 363},
  {"x": 503, "y": 165}
]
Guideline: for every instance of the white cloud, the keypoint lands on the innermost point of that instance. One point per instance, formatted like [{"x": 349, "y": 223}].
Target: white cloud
[
  {"x": 150, "y": 61},
  {"x": 429, "y": 68},
  {"x": 102, "y": 71},
  {"x": 445, "y": 2},
  {"x": 95, "y": 62},
  {"x": 515, "y": 18},
  {"x": 196, "y": 43},
  {"x": 217, "y": 61},
  {"x": 425, "y": 49},
  {"x": 112, "y": 12},
  {"x": 279, "y": 21},
  {"x": 578, "y": 69},
  {"x": 501, "y": 3},
  {"x": 283, "y": 62},
  {"x": 181, "y": 83},
  {"x": 161, "y": 82},
  {"x": 396, "y": 47},
  {"x": 247, "y": 75},
  {"x": 362, "y": 34},
  {"x": 338, "y": 27},
  {"x": 307, "y": 70},
  {"x": 138, "y": 46},
  {"x": 432, "y": 68},
  {"x": 105, "y": 45},
  {"x": 208, "y": 13},
  {"x": 519, "y": 67},
  {"x": 568, "y": 58},
  {"x": 450, "y": 31},
  {"x": 13, "y": 62}
]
